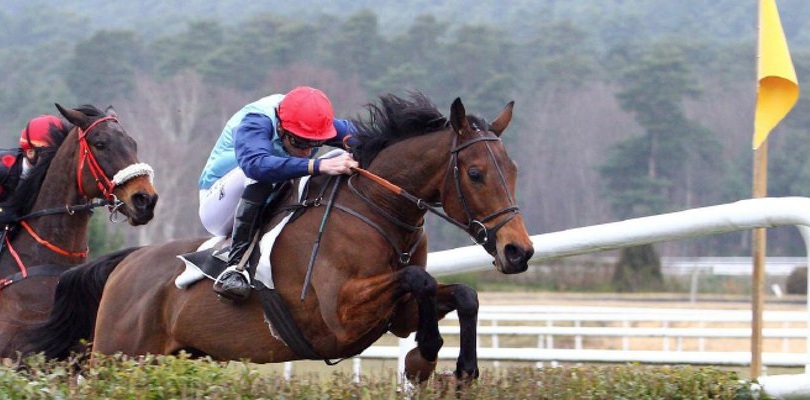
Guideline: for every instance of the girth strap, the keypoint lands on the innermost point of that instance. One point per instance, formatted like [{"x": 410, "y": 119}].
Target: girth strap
[{"x": 279, "y": 315}]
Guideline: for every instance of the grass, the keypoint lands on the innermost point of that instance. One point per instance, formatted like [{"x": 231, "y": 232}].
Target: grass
[{"x": 163, "y": 377}]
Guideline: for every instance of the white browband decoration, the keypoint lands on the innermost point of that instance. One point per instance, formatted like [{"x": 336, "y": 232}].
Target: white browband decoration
[{"x": 133, "y": 171}]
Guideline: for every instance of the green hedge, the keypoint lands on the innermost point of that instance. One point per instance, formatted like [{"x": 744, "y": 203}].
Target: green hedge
[{"x": 164, "y": 377}]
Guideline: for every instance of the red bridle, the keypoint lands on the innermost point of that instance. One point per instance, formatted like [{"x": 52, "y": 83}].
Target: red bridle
[{"x": 105, "y": 185}]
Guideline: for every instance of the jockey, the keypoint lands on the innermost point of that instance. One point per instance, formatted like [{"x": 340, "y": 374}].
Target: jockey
[
  {"x": 269, "y": 141},
  {"x": 16, "y": 162}
]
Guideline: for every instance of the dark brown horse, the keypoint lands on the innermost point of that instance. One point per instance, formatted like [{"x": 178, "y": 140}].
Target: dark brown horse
[
  {"x": 368, "y": 275},
  {"x": 93, "y": 159}
]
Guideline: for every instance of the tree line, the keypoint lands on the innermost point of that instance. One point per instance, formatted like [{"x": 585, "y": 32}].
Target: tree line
[{"x": 603, "y": 129}]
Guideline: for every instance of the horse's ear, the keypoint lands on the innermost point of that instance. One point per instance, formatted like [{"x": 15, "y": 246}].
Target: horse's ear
[
  {"x": 74, "y": 116},
  {"x": 458, "y": 116},
  {"x": 500, "y": 123},
  {"x": 111, "y": 111}
]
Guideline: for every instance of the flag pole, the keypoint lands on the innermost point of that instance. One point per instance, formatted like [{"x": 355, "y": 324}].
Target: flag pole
[
  {"x": 760, "y": 189},
  {"x": 777, "y": 93}
]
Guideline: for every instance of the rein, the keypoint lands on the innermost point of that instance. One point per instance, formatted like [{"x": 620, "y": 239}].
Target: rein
[{"x": 70, "y": 210}]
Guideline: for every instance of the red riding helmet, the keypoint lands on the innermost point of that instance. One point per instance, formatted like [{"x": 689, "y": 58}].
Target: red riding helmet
[
  {"x": 38, "y": 132},
  {"x": 307, "y": 113}
]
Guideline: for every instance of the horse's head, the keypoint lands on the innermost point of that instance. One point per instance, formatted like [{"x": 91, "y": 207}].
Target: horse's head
[
  {"x": 479, "y": 189},
  {"x": 107, "y": 163}
]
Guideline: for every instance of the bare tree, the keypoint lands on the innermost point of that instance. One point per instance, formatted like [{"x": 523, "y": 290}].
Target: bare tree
[
  {"x": 347, "y": 95},
  {"x": 567, "y": 135},
  {"x": 176, "y": 122}
]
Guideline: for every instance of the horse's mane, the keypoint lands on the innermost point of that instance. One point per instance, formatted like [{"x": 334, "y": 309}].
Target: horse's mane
[
  {"x": 28, "y": 188},
  {"x": 394, "y": 119}
]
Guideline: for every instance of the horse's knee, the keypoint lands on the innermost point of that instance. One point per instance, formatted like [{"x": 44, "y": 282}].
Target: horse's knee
[
  {"x": 466, "y": 299},
  {"x": 419, "y": 281}
]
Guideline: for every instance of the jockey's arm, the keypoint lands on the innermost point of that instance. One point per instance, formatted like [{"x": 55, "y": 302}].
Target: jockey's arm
[{"x": 253, "y": 144}]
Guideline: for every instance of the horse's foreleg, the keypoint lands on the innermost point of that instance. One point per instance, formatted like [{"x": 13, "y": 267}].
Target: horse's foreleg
[
  {"x": 423, "y": 288},
  {"x": 464, "y": 300},
  {"x": 421, "y": 362}
]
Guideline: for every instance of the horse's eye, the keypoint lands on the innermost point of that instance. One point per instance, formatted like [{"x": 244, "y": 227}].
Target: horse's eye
[
  {"x": 475, "y": 175},
  {"x": 100, "y": 145}
]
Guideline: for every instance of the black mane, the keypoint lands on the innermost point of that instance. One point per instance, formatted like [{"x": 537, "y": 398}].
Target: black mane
[
  {"x": 393, "y": 120},
  {"x": 28, "y": 188}
]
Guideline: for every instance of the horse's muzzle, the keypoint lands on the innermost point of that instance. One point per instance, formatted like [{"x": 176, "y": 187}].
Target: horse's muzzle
[
  {"x": 515, "y": 259},
  {"x": 141, "y": 208}
]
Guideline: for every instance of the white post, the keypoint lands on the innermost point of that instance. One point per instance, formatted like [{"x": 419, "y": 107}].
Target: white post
[
  {"x": 288, "y": 370},
  {"x": 405, "y": 345},
  {"x": 805, "y": 231},
  {"x": 357, "y": 368},
  {"x": 495, "y": 343},
  {"x": 693, "y": 290}
]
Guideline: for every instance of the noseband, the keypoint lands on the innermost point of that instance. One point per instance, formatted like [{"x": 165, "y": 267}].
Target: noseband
[{"x": 105, "y": 184}]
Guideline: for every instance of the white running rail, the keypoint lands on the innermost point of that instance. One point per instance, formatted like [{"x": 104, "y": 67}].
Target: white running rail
[{"x": 621, "y": 334}]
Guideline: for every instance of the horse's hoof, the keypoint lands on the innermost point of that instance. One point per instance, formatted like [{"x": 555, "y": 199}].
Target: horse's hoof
[{"x": 417, "y": 368}]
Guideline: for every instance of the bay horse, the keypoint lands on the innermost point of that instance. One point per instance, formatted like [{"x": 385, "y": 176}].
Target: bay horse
[
  {"x": 93, "y": 162},
  {"x": 367, "y": 278}
]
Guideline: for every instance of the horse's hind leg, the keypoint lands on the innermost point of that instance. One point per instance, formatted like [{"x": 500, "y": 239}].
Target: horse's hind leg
[{"x": 464, "y": 300}]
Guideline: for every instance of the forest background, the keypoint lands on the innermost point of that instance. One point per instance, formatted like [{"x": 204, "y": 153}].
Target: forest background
[{"x": 623, "y": 108}]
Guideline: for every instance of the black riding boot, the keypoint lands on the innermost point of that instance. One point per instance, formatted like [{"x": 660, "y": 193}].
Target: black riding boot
[{"x": 234, "y": 283}]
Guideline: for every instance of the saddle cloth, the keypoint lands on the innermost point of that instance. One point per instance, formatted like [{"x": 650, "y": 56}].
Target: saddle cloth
[{"x": 205, "y": 264}]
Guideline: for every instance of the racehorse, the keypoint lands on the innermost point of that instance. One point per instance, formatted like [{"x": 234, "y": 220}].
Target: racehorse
[
  {"x": 92, "y": 163},
  {"x": 348, "y": 267}
]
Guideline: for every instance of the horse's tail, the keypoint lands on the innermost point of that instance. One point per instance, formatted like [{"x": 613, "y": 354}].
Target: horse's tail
[{"x": 76, "y": 302}]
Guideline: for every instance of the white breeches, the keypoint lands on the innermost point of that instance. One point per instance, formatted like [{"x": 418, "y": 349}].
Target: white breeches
[{"x": 218, "y": 204}]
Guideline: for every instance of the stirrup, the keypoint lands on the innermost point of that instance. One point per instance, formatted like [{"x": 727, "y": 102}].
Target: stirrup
[{"x": 229, "y": 270}]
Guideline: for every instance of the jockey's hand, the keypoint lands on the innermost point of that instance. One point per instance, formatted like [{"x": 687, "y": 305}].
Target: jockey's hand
[{"x": 341, "y": 164}]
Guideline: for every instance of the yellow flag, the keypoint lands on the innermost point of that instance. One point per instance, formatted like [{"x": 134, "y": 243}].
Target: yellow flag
[{"x": 778, "y": 88}]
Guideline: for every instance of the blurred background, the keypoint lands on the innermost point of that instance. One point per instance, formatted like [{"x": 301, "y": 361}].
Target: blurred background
[{"x": 623, "y": 108}]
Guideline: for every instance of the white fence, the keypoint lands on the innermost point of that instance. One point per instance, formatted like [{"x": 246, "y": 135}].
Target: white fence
[
  {"x": 621, "y": 334},
  {"x": 731, "y": 217},
  {"x": 737, "y": 266}
]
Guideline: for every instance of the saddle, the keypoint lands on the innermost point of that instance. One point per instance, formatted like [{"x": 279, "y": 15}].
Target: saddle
[
  {"x": 211, "y": 257},
  {"x": 284, "y": 206}
]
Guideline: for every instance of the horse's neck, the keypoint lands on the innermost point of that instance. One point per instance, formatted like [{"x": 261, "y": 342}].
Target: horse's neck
[
  {"x": 63, "y": 230},
  {"x": 417, "y": 166}
]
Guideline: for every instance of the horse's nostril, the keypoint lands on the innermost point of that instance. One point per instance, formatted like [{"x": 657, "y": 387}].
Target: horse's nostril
[
  {"x": 144, "y": 200},
  {"x": 517, "y": 255}
]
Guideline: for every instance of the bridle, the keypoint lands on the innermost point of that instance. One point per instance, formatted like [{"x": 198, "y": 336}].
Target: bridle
[
  {"x": 105, "y": 185},
  {"x": 476, "y": 228}
]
